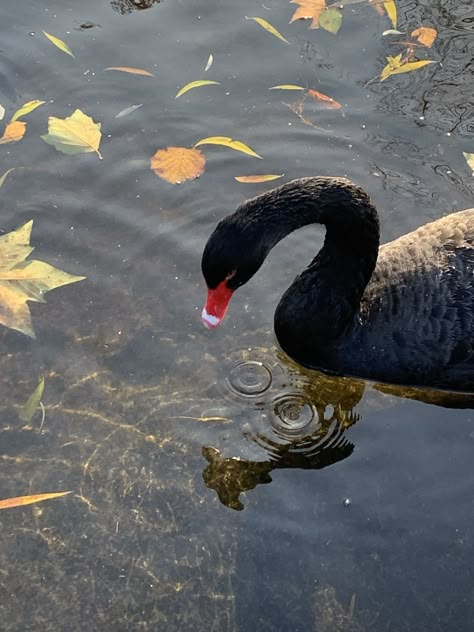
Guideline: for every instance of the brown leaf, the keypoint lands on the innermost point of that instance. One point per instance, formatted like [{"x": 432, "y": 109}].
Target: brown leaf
[
  {"x": 178, "y": 164},
  {"x": 13, "y": 132},
  {"x": 425, "y": 35},
  {"x": 309, "y": 10},
  {"x": 19, "y": 501},
  {"x": 326, "y": 101}
]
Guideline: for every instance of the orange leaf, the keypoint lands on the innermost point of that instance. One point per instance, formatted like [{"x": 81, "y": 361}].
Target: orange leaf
[
  {"x": 13, "y": 132},
  {"x": 177, "y": 164},
  {"x": 255, "y": 179},
  {"x": 309, "y": 10},
  {"x": 19, "y": 501},
  {"x": 324, "y": 99},
  {"x": 133, "y": 71},
  {"x": 425, "y": 35}
]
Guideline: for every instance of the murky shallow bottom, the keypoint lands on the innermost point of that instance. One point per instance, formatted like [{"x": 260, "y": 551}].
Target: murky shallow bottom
[{"x": 216, "y": 485}]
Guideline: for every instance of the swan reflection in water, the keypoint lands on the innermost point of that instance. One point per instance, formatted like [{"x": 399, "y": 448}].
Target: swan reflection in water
[{"x": 304, "y": 424}]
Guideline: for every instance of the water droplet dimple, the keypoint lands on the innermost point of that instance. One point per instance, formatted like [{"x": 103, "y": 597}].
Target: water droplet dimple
[
  {"x": 292, "y": 412},
  {"x": 250, "y": 378}
]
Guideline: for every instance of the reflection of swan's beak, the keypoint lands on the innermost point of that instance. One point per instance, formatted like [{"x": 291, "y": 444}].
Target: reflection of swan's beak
[{"x": 216, "y": 305}]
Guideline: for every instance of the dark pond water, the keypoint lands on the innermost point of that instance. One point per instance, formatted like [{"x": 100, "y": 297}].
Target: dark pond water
[{"x": 217, "y": 486}]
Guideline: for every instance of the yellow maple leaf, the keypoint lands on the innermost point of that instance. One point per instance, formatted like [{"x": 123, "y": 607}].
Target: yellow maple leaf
[
  {"x": 178, "y": 164},
  {"x": 425, "y": 35},
  {"x": 22, "y": 281},
  {"x": 309, "y": 10},
  {"x": 77, "y": 133},
  {"x": 13, "y": 132}
]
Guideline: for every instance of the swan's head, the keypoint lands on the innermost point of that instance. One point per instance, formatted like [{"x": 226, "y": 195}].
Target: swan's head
[{"x": 231, "y": 257}]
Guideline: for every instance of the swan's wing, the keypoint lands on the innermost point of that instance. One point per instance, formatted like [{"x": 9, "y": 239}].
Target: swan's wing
[{"x": 421, "y": 296}]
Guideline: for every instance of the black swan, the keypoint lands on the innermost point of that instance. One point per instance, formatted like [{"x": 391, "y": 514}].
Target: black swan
[{"x": 402, "y": 313}]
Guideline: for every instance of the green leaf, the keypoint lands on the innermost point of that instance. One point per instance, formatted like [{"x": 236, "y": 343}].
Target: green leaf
[
  {"x": 32, "y": 403},
  {"x": 330, "y": 20}
]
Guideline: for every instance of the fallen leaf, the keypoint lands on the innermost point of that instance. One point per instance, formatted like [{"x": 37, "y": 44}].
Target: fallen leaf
[
  {"x": 132, "y": 71},
  {"x": 395, "y": 67},
  {"x": 59, "y": 43},
  {"x": 128, "y": 110},
  {"x": 2, "y": 112},
  {"x": 31, "y": 405},
  {"x": 22, "y": 281},
  {"x": 392, "y": 32},
  {"x": 20, "y": 501},
  {"x": 330, "y": 20},
  {"x": 195, "y": 84},
  {"x": 391, "y": 9},
  {"x": 13, "y": 132},
  {"x": 309, "y": 10},
  {"x": 470, "y": 160},
  {"x": 178, "y": 164},
  {"x": 226, "y": 141},
  {"x": 209, "y": 63},
  {"x": 74, "y": 134},
  {"x": 26, "y": 109},
  {"x": 286, "y": 86},
  {"x": 324, "y": 99},
  {"x": 425, "y": 35},
  {"x": 255, "y": 179},
  {"x": 4, "y": 177},
  {"x": 268, "y": 27}
]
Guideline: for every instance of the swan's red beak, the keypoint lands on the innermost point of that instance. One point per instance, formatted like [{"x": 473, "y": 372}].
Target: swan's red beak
[{"x": 216, "y": 305}]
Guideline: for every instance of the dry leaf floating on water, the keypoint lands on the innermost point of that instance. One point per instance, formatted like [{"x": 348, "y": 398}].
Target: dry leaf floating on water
[
  {"x": 4, "y": 177},
  {"x": 425, "y": 35},
  {"x": 131, "y": 71},
  {"x": 391, "y": 9},
  {"x": 258, "y": 178},
  {"x": 268, "y": 27},
  {"x": 330, "y": 20},
  {"x": 324, "y": 100},
  {"x": 75, "y": 134},
  {"x": 22, "y": 281},
  {"x": 59, "y": 43},
  {"x": 178, "y": 164},
  {"x": 210, "y": 61},
  {"x": 26, "y": 109},
  {"x": 396, "y": 67},
  {"x": 195, "y": 84},
  {"x": 226, "y": 141},
  {"x": 286, "y": 86},
  {"x": 470, "y": 160},
  {"x": 309, "y": 10},
  {"x": 13, "y": 132}
]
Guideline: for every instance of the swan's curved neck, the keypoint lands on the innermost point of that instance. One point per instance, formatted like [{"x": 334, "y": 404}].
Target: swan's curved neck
[{"x": 323, "y": 301}]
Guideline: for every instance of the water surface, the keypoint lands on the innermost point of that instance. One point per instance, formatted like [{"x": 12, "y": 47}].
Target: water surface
[{"x": 216, "y": 485}]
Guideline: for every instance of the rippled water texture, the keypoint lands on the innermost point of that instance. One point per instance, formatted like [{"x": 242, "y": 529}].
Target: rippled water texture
[{"x": 215, "y": 484}]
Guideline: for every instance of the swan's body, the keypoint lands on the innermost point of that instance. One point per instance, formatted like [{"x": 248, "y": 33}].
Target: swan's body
[{"x": 401, "y": 313}]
